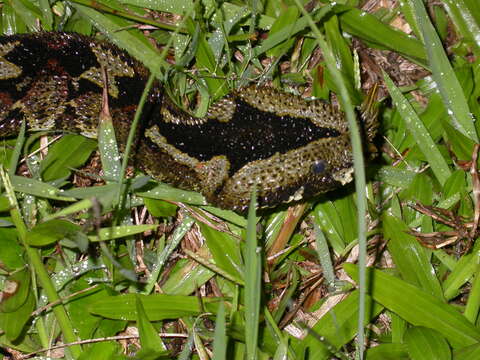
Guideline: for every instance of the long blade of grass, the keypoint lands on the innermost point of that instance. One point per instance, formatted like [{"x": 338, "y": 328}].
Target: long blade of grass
[
  {"x": 442, "y": 72},
  {"x": 419, "y": 132},
  {"x": 464, "y": 269},
  {"x": 367, "y": 27},
  {"x": 359, "y": 167},
  {"x": 289, "y": 31},
  {"x": 37, "y": 264},
  {"x": 37, "y": 188},
  {"x": 116, "y": 232},
  {"x": 418, "y": 307},
  {"x": 134, "y": 43},
  {"x": 465, "y": 22},
  {"x": 220, "y": 337},
  {"x": 411, "y": 259},
  {"x": 426, "y": 344},
  {"x": 323, "y": 254},
  {"x": 176, "y": 237},
  {"x": 253, "y": 275},
  {"x": 157, "y": 306},
  {"x": 17, "y": 151},
  {"x": 473, "y": 302},
  {"x": 107, "y": 142}
]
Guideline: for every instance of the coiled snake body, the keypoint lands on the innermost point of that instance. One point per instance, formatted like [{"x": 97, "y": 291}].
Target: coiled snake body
[{"x": 290, "y": 148}]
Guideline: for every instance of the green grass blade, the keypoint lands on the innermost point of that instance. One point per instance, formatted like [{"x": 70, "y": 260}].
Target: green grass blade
[
  {"x": 388, "y": 351},
  {"x": 473, "y": 302},
  {"x": 133, "y": 42},
  {"x": 359, "y": 165},
  {"x": 426, "y": 344},
  {"x": 69, "y": 210},
  {"x": 38, "y": 188},
  {"x": 157, "y": 306},
  {"x": 162, "y": 258},
  {"x": 420, "y": 133},
  {"x": 107, "y": 143},
  {"x": 38, "y": 266},
  {"x": 465, "y": 22},
  {"x": 339, "y": 326},
  {"x": 464, "y": 269},
  {"x": 410, "y": 257},
  {"x": 368, "y": 27},
  {"x": 167, "y": 192},
  {"x": 288, "y": 31},
  {"x": 17, "y": 151},
  {"x": 467, "y": 353},
  {"x": 253, "y": 276},
  {"x": 323, "y": 254},
  {"x": 224, "y": 249},
  {"x": 187, "y": 276},
  {"x": 70, "y": 152},
  {"x": 51, "y": 231},
  {"x": 443, "y": 74},
  {"x": 418, "y": 307},
  {"x": 116, "y": 232},
  {"x": 220, "y": 339},
  {"x": 148, "y": 334}
]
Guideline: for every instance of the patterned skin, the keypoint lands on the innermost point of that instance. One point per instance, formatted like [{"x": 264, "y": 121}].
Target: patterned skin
[{"x": 290, "y": 148}]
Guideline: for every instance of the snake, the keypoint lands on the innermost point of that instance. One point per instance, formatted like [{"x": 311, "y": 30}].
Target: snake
[{"x": 289, "y": 148}]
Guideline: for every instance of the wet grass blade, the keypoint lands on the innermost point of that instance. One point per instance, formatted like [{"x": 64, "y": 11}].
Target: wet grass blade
[
  {"x": 253, "y": 273},
  {"x": 465, "y": 22},
  {"x": 358, "y": 163},
  {"x": 418, "y": 307},
  {"x": 443, "y": 74},
  {"x": 17, "y": 151},
  {"x": 162, "y": 258},
  {"x": 133, "y": 42},
  {"x": 367, "y": 27},
  {"x": 220, "y": 338},
  {"x": 116, "y": 232},
  {"x": 38, "y": 266},
  {"x": 419, "y": 132},
  {"x": 426, "y": 344},
  {"x": 38, "y": 188},
  {"x": 473, "y": 303}
]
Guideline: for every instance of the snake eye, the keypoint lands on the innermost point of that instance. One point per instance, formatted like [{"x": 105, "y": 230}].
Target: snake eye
[{"x": 319, "y": 167}]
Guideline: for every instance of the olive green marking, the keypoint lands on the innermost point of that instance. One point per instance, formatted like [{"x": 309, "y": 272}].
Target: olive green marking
[
  {"x": 210, "y": 174},
  {"x": 44, "y": 103},
  {"x": 222, "y": 110},
  {"x": 282, "y": 104},
  {"x": 86, "y": 109},
  {"x": 113, "y": 65},
  {"x": 8, "y": 70}
]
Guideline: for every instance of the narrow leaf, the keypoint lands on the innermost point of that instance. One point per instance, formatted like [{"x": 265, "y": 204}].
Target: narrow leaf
[
  {"x": 426, "y": 344},
  {"x": 420, "y": 133},
  {"x": 418, "y": 307},
  {"x": 443, "y": 74},
  {"x": 253, "y": 273}
]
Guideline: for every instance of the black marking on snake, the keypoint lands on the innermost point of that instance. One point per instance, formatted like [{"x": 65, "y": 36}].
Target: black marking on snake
[{"x": 250, "y": 135}]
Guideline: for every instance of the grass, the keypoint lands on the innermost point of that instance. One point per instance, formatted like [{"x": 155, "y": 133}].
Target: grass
[{"x": 214, "y": 284}]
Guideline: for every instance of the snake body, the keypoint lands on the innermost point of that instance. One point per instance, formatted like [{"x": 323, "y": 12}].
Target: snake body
[{"x": 290, "y": 148}]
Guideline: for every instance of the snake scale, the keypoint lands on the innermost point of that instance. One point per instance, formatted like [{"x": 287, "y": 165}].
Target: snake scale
[{"x": 289, "y": 147}]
